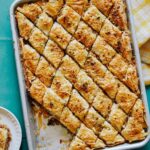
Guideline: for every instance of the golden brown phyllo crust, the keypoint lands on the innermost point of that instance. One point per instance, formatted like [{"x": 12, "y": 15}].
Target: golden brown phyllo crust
[
  {"x": 5, "y": 137},
  {"x": 78, "y": 64}
]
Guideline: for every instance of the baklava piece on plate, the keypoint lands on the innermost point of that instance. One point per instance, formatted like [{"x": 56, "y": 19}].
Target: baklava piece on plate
[{"x": 5, "y": 137}]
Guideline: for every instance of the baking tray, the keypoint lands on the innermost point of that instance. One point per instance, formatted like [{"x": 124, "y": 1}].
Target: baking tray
[{"x": 27, "y": 111}]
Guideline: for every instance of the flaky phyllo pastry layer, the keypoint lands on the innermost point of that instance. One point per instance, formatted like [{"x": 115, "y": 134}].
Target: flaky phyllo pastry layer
[
  {"x": 78, "y": 64},
  {"x": 5, "y": 137}
]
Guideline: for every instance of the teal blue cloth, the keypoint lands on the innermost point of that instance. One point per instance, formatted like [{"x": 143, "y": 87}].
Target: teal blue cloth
[{"x": 9, "y": 90}]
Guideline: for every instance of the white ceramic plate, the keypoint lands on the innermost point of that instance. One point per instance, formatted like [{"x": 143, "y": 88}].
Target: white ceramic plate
[{"x": 8, "y": 119}]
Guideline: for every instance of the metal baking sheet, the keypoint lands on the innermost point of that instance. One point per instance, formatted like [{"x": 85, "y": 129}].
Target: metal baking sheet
[{"x": 31, "y": 124}]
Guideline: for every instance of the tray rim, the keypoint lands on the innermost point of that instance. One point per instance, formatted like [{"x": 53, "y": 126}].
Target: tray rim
[{"x": 25, "y": 103}]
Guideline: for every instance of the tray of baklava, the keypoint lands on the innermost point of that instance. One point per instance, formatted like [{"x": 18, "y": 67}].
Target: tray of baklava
[{"x": 79, "y": 61}]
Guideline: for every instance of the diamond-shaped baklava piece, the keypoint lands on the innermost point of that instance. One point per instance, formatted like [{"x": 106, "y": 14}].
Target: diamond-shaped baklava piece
[
  {"x": 31, "y": 11},
  {"x": 5, "y": 137},
  {"x": 38, "y": 40},
  {"x": 118, "y": 14},
  {"x": 53, "y": 103},
  {"x": 78, "y": 5},
  {"x": 86, "y": 86},
  {"x": 37, "y": 90},
  {"x": 28, "y": 53},
  {"x": 76, "y": 50},
  {"x": 94, "y": 120},
  {"x": 88, "y": 136},
  {"x": 85, "y": 34},
  {"x": 99, "y": 144},
  {"x": 45, "y": 71},
  {"x": 53, "y": 53},
  {"x": 29, "y": 77},
  {"x": 109, "y": 84},
  {"x": 131, "y": 79},
  {"x": 118, "y": 66},
  {"x": 125, "y": 46},
  {"x": 69, "y": 19},
  {"x": 69, "y": 120},
  {"x": 52, "y": 7},
  {"x": 60, "y": 35},
  {"x": 44, "y": 23},
  {"x": 94, "y": 68},
  {"x": 61, "y": 86},
  {"x": 78, "y": 105},
  {"x": 30, "y": 57},
  {"x": 69, "y": 69},
  {"x": 94, "y": 18},
  {"x": 111, "y": 34},
  {"x": 117, "y": 117},
  {"x": 125, "y": 98},
  {"x": 24, "y": 25},
  {"x": 103, "y": 5},
  {"x": 110, "y": 135},
  {"x": 78, "y": 144},
  {"x": 30, "y": 64},
  {"x": 103, "y": 51},
  {"x": 138, "y": 112},
  {"x": 102, "y": 103},
  {"x": 133, "y": 131}
]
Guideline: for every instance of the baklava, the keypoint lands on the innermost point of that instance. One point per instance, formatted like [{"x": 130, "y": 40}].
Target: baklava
[
  {"x": 5, "y": 137},
  {"x": 79, "y": 65}
]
